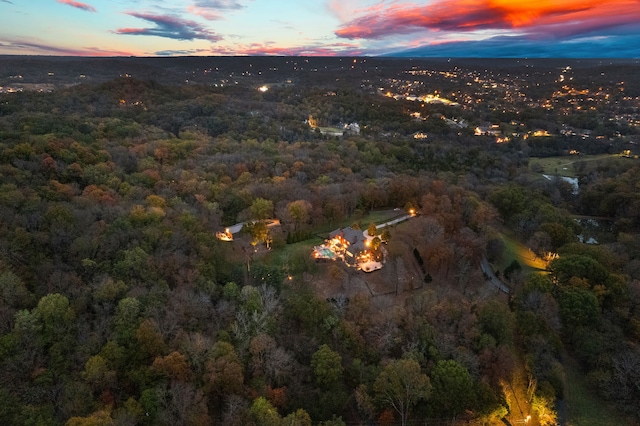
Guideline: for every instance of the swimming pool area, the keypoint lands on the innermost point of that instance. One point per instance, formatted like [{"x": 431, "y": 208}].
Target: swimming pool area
[{"x": 323, "y": 252}]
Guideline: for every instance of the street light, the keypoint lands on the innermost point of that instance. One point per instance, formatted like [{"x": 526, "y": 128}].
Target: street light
[{"x": 525, "y": 420}]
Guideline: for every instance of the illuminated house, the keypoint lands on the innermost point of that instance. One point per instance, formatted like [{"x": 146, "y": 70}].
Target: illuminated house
[
  {"x": 225, "y": 235},
  {"x": 349, "y": 245}
]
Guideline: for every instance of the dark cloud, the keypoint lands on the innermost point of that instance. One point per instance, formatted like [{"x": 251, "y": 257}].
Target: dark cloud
[
  {"x": 49, "y": 49},
  {"x": 170, "y": 27}
]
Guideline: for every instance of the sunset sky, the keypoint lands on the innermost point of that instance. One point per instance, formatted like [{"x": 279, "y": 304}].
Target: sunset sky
[{"x": 498, "y": 28}]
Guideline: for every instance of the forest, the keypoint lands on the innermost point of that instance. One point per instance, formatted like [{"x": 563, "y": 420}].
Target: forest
[{"x": 119, "y": 306}]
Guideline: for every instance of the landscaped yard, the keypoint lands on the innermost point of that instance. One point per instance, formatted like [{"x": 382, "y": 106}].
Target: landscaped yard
[{"x": 294, "y": 256}]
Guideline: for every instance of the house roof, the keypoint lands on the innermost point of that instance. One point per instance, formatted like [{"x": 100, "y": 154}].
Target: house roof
[
  {"x": 351, "y": 235},
  {"x": 355, "y": 238},
  {"x": 356, "y": 247}
]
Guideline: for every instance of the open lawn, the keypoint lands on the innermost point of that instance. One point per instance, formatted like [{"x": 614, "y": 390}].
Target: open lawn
[
  {"x": 518, "y": 251},
  {"x": 582, "y": 407},
  {"x": 566, "y": 165},
  {"x": 285, "y": 254},
  {"x": 380, "y": 216}
]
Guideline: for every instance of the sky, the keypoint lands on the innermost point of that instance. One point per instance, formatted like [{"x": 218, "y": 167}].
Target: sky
[{"x": 447, "y": 28}]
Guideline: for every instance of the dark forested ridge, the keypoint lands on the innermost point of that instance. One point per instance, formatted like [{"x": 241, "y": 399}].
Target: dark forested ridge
[{"x": 119, "y": 305}]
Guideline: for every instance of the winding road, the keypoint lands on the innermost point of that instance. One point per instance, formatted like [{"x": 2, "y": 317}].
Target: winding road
[{"x": 486, "y": 268}]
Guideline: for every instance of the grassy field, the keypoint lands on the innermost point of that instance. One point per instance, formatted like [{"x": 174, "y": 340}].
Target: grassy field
[
  {"x": 564, "y": 166},
  {"x": 306, "y": 245},
  {"x": 582, "y": 407},
  {"x": 380, "y": 216},
  {"x": 518, "y": 251}
]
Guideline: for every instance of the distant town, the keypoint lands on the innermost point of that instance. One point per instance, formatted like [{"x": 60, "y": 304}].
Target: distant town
[{"x": 557, "y": 90}]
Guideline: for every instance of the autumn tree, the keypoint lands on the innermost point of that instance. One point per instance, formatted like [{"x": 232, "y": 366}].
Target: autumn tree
[
  {"x": 401, "y": 385},
  {"x": 299, "y": 212},
  {"x": 327, "y": 366},
  {"x": 261, "y": 209},
  {"x": 97, "y": 373},
  {"x": 224, "y": 373},
  {"x": 150, "y": 339},
  {"x": 174, "y": 366},
  {"x": 264, "y": 414}
]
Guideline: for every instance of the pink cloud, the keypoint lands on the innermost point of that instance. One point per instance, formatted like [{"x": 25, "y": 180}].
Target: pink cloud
[
  {"x": 532, "y": 16},
  {"x": 270, "y": 49},
  {"x": 342, "y": 9},
  {"x": 78, "y": 5},
  {"x": 204, "y": 12}
]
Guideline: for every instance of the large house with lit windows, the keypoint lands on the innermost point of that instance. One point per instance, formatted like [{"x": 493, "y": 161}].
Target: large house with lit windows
[{"x": 350, "y": 245}]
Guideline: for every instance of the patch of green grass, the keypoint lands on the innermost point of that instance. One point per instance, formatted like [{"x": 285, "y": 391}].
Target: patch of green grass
[
  {"x": 380, "y": 216},
  {"x": 583, "y": 407},
  {"x": 515, "y": 250},
  {"x": 285, "y": 255},
  {"x": 510, "y": 252},
  {"x": 565, "y": 165}
]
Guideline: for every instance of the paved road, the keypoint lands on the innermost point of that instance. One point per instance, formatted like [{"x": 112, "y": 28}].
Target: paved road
[
  {"x": 486, "y": 268},
  {"x": 234, "y": 229},
  {"x": 391, "y": 222}
]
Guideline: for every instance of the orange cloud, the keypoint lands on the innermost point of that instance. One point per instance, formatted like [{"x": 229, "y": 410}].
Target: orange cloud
[
  {"x": 527, "y": 12},
  {"x": 471, "y": 15}
]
